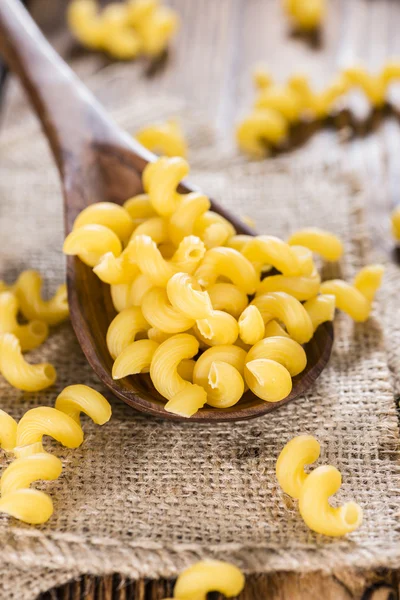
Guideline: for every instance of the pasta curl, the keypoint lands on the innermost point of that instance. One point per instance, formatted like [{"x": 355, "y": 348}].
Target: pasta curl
[
  {"x": 160, "y": 180},
  {"x": 124, "y": 329},
  {"x": 322, "y": 242},
  {"x": 285, "y": 308},
  {"x": 30, "y": 335},
  {"x": 314, "y": 489},
  {"x": 19, "y": 373},
  {"x": 163, "y": 138},
  {"x": 209, "y": 576},
  {"x": 230, "y": 263}
]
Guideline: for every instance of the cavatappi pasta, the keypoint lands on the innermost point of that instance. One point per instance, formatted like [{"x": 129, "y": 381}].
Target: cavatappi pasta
[
  {"x": 166, "y": 138},
  {"x": 314, "y": 489},
  {"x": 306, "y": 15},
  {"x": 278, "y": 107},
  {"x": 32, "y": 462},
  {"x": 197, "y": 581},
  {"x": 123, "y": 30},
  {"x": 200, "y": 318}
]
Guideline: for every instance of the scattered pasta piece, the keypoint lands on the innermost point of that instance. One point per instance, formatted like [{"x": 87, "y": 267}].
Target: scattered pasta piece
[
  {"x": 123, "y": 30},
  {"x": 356, "y": 300},
  {"x": 165, "y": 138},
  {"x": 322, "y": 242},
  {"x": 278, "y": 107},
  {"x": 209, "y": 576},
  {"x": 32, "y": 463},
  {"x": 396, "y": 224},
  {"x": 30, "y": 335},
  {"x": 19, "y": 373},
  {"x": 307, "y": 15},
  {"x": 314, "y": 489}
]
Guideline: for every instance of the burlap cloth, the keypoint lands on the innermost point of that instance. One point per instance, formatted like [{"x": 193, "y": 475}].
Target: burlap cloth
[{"x": 146, "y": 497}]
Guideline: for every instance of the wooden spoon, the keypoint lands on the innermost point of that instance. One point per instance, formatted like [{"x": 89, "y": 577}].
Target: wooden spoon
[{"x": 99, "y": 162}]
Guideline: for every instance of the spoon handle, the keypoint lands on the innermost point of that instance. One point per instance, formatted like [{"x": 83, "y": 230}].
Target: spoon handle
[{"x": 71, "y": 117}]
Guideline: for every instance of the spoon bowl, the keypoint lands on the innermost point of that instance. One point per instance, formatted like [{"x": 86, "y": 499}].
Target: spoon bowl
[{"x": 99, "y": 162}]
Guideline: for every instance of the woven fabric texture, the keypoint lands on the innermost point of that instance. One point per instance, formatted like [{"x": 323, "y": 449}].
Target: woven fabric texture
[{"x": 147, "y": 497}]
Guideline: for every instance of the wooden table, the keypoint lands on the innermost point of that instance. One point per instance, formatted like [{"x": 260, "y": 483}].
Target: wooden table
[{"x": 211, "y": 64}]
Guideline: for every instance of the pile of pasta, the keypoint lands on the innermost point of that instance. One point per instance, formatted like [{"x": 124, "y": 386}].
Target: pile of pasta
[
  {"x": 306, "y": 15},
  {"x": 32, "y": 462},
  {"x": 24, "y": 298},
  {"x": 314, "y": 489},
  {"x": 194, "y": 308},
  {"x": 278, "y": 107},
  {"x": 124, "y": 30},
  {"x": 197, "y": 581}
]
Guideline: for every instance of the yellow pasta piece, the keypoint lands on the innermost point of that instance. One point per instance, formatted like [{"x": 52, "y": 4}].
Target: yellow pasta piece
[
  {"x": 301, "y": 287},
  {"x": 261, "y": 77},
  {"x": 156, "y": 335},
  {"x": 154, "y": 24},
  {"x": 45, "y": 420},
  {"x": 159, "y": 312},
  {"x": 270, "y": 366},
  {"x": 229, "y": 263},
  {"x": 109, "y": 215},
  {"x": 182, "y": 221},
  {"x": 220, "y": 371},
  {"x": 160, "y": 180},
  {"x": 135, "y": 358},
  {"x": 218, "y": 328},
  {"x": 209, "y": 576},
  {"x": 189, "y": 254},
  {"x": 300, "y": 451},
  {"x": 391, "y": 70},
  {"x": 374, "y": 87},
  {"x": 315, "y": 509},
  {"x": 139, "y": 208},
  {"x": 396, "y": 224},
  {"x": 306, "y": 14},
  {"x": 84, "y": 23},
  {"x": 281, "y": 99},
  {"x": 28, "y": 288},
  {"x": 282, "y": 349},
  {"x": 116, "y": 271},
  {"x": 285, "y": 308},
  {"x": 17, "y": 499},
  {"x": 261, "y": 127},
  {"x": 184, "y": 397},
  {"x": 124, "y": 329},
  {"x": 155, "y": 227},
  {"x": 318, "y": 105},
  {"x": 186, "y": 296},
  {"x": 273, "y": 329},
  {"x": 91, "y": 242},
  {"x": 321, "y": 242},
  {"x": 8, "y": 431},
  {"x": 139, "y": 288},
  {"x": 164, "y": 138},
  {"x": 213, "y": 229},
  {"x": 320, "y": 309},
  {"x": 356, "y": 299},
  {"x": 270, "y": 250},
  {"x": 186, "y": 369},
  {"x": 228, "y": 297},
  {"x": 118, "y": 39},
  {"x": 151, "y": 262},
  {"x": 121, "y": 296},
  {"x": 251, "y": 325},
  {"x": 238, "y": 242},
  {"x": 19, "y": 373},
  {"x": 30, "y": 335},
  {"x": 78, "y": 398}
]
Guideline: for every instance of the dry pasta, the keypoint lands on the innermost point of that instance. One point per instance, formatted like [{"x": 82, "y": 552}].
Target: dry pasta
[
  {"x": 396, "y": 224},
  {"x": 30, "y": 335},
  {"x": 123, "y": 30},
  {"x": 19, "y": 373},
  {"x": 32, "y": 462},
  {"x": 209, "y": 576},
  {"x": 356, "y": 300},
  {"x": 194, "y": 308},
  {"x": 307, "y": 15},
  {"x": 163, "y": 138},
  {"x": 28, "y": 288},
  {"x": 314, "y": 489}
]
